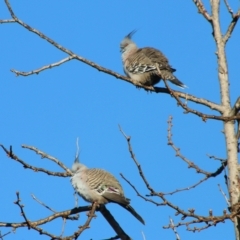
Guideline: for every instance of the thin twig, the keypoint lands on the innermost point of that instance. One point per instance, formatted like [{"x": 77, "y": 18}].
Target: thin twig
[
  {"x": 63, "y": 227},
  {"x": 45, "y": 155},
  {"x": 224, "y": 195},
  {"x": 35, "y": 169},
  {"x": 22, "y": 211},
  {"x": 231, "y": 27},
  {"x": 4, "y": 235},
  {"x": 143, "y": 235},
  {"x": 200, "y": 114},
  {"x": 224, "y": 164},
  {"x": 178, "y": 153},
  {"x": 190, "y": 163},
  {"x": 134, "y": 159},
  {"x": 187, "y": 188},
  {"x": 202, "y": 10},
  {"x": 229, "y": 8},
  {"x": 139, "y": 194},
  {"x": 37, "y": 71},
  {"x": 174, "y": 229},
  {"x": 216, "y": 158},
  {"x": 87, "y": 223},
  {"x": 7, "y": 21},
  {"x": 43, "y": 204}
]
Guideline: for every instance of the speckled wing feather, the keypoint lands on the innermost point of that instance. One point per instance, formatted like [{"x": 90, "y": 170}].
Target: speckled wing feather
[
  {"x": 138, "y": 63},
  {"x": 102, "y": 181},
  {"x": 157, "y": 57}
]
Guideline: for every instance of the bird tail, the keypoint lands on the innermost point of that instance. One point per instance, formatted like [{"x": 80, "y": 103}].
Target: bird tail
[
  {"x": 178, "y": 82},
  {"x": 169, "y": 76},
  {"x": 133, "y": 212}
]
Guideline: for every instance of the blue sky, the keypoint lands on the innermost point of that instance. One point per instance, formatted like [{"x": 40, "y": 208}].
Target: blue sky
[{"x": 51, "y": 109}]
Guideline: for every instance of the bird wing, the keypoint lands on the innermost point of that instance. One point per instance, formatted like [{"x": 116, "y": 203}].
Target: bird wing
[
  {"x": 156, "y": 57},
  {"x": 106, "y": 185},
  {"x": 147, "y": 60},
  {"x": 138, "y": 63}
]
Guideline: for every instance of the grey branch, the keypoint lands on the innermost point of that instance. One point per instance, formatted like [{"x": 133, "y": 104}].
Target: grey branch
[
  {"x": 35, "y": 169},
  {"x": 7, "y": 21},
  {"x": 202, "y": 10},
  {"x": 229, "y": 8},
  {"x": 37, "y": 71},
  {"x": 231, "y": 26},
  {"x": 45, "y": 155}
]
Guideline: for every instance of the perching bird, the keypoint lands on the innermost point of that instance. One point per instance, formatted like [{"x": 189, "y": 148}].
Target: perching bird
[
  {"x": 146, "y": 65},
  {"x": 96, "y": 185}
]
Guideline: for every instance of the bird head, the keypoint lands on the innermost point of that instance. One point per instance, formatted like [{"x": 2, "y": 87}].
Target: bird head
[
  {"x": 127, "y": 43},
  {"x": 76, "y": 165}
]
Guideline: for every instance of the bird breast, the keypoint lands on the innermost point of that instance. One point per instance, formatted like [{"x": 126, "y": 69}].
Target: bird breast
[{"x": 83, "y": 189}]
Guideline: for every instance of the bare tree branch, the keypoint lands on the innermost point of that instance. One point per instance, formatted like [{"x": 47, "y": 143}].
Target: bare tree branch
[
  {"x": 22, "y": 211},
  {"x": 216, "y": 158},
  {"x": 174, "y": 229},
  {"x": 139, "y": 194},
  {"x": 7, "y": 21},
  {"x": 202, "y": 10},
  {"x": 3, "y": 235},
  {"x": 231, "y": 27},
  {"x": 190, "y": 163},
  {"x": 187, "y": 188},
  {"x": 35, "y": 169},
  {"x": 236, "y": 108},
  {"x": 43, "y": 204},
  {"x": 134, "y": 159},
  {"x": 45, "y": 155},
  {"x": 87, "y": 223},
  {"x": 200, "y": 114},
  {"x": 49, "y": 218},
  {"x": 224, "y": 195},
  {"x": 229, "y": 8},
  {"x": 37, "y": 71}
]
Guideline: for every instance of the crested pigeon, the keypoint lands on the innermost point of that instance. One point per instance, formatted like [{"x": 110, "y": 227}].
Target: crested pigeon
[
  {"x": 97, "y": 185},
  {"x": 146, "y": 65}
]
